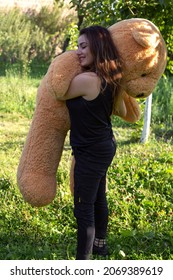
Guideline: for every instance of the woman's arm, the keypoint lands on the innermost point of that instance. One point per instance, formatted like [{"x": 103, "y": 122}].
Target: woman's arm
[{"x": 85, "y": 84}]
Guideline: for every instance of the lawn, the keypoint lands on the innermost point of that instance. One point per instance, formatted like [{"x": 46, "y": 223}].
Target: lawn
[{"x": 140, "y": 191}]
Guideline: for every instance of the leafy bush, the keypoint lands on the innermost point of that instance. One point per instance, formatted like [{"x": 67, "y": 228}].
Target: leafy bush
[
  {"x": 20, "y": 40},
  {"x": 29, "y": 37},
  {"x": 51, "y": 24},
  {"x": 15, "y": 37}
]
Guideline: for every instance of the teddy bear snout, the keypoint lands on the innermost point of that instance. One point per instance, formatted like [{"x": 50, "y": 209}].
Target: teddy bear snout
[{"x": 140, "y": 95}]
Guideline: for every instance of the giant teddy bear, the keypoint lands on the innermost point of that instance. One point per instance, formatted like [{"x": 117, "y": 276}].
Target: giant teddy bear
[{"x": 143, "y": 52}]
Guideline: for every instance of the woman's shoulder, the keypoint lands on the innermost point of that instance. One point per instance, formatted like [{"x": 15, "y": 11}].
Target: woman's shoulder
[
  {"x": 87, "y": 76},
  {"x": 90, "y": 84}
]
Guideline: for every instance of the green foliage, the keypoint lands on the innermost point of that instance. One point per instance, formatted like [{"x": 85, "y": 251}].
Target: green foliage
[
  {"x": 140, "y": 193},
  {"x": 162, "y": 110},
  {"x": 17, "y": 95},
  {"x": 21, "y": 41},
  {"x": 47, "y": 19},
  {"x": 33, "y": 37},
  {"x": 55, "y": 23},
  {"x": 72, "y": 33},
  {"x": 15, "y": 37},
  {"x": 103, "y": 12}
]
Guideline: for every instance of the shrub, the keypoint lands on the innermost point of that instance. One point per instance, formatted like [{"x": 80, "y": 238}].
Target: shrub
[
  {"x": 20, "y": 40},
  {"x": 162, "y": 110},
  {"x": 29, "y": 37},
  {"x": 15, "y": 37}
]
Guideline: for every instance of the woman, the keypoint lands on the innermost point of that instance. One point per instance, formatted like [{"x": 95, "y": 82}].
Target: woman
[{"x": 90, "y": 100}]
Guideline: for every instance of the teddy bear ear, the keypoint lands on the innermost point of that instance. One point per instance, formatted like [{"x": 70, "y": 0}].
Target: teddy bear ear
[{"x": 146, "y": 36}]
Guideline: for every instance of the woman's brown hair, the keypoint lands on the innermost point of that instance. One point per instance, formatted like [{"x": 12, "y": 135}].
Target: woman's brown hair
[{"x": 106, "y": 58}]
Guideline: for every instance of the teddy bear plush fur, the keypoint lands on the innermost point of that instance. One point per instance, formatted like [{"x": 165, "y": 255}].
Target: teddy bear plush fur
[
  {"x": 143, "y": 54},
  {"x": 143, "y": 51}
]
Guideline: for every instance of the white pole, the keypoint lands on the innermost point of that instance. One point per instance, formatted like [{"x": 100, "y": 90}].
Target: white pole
[{"x": 147, "y": 120}]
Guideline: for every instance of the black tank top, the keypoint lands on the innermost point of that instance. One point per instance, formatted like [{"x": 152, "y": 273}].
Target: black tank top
[{"x": 90, "y": 120}]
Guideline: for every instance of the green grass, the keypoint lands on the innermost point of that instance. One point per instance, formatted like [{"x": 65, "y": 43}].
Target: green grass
[{"x": 140, "y": 191}]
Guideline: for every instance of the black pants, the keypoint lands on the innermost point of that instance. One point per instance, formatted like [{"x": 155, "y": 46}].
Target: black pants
[{"x": 90, "y": 204}]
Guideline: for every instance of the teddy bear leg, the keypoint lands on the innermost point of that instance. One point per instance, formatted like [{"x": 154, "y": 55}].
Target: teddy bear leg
[{"x": 36, "y": 174}]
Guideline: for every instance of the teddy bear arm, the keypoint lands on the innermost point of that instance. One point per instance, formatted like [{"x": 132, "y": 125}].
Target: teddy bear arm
[
  {"x": 36, "y": 174},
  {"x": 133, "y": 112},
  {"x": 119, "y": 107},
  {"x": 61, "y": 72},
  {"x": 126, "y": 107}
]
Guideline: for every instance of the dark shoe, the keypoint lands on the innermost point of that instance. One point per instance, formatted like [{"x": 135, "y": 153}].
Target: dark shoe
[{"x": 101, "y": 251}]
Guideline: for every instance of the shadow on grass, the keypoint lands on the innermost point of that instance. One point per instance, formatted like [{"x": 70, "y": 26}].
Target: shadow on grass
[
  {"x": 6, "y": 146},
  {"x": 36, "y": 245},
  {"x": 142, "y": 245},
  {"x": 166, "y": 135}
]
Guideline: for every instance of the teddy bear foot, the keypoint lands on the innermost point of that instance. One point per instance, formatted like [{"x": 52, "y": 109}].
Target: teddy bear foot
[{"x": 39, "y": 192}]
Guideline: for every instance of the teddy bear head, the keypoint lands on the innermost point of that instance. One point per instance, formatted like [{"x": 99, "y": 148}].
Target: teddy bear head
[{"x": 143, "y": 52}]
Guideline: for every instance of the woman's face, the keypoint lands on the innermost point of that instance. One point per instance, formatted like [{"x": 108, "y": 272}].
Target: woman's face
[{"x": 84, "y": 52}]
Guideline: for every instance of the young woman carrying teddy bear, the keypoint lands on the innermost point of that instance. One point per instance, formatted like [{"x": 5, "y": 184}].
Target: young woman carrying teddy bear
[{"x": 90, "y": 100}]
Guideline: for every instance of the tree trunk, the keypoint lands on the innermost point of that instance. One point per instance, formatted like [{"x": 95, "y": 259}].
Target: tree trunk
[{"x": 147, "y": 120}]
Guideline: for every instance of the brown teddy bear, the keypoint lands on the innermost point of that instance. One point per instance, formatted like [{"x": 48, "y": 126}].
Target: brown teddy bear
[{"x": 143, "y": 52}]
